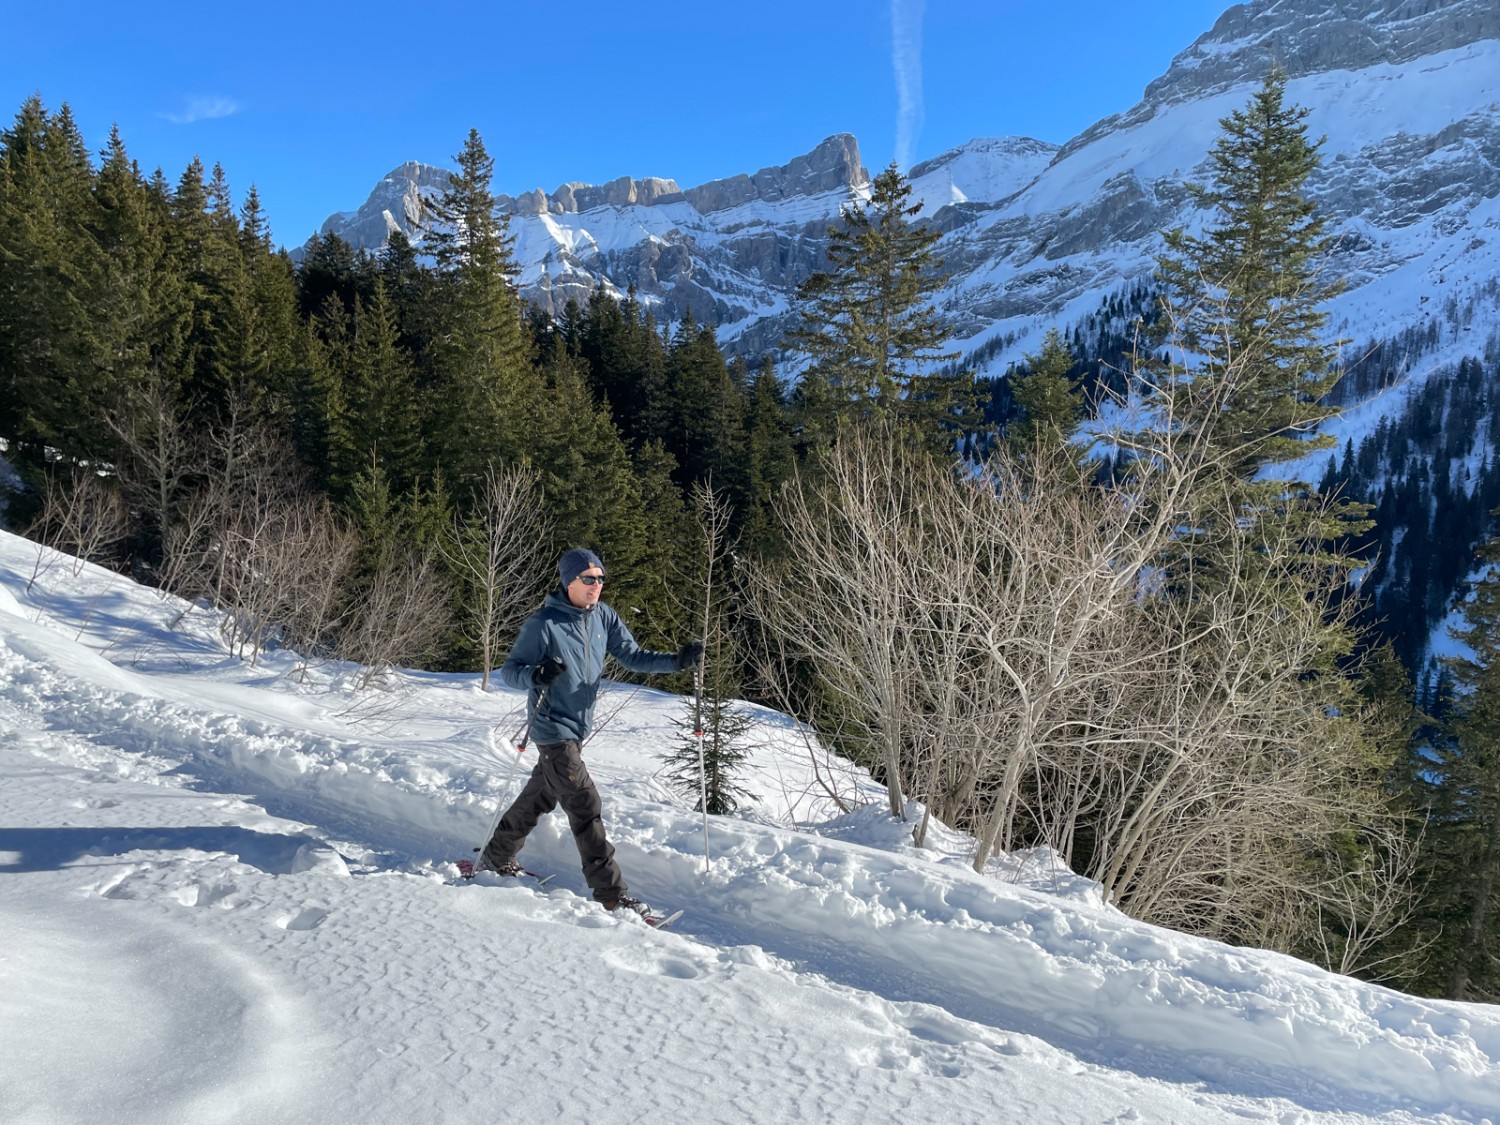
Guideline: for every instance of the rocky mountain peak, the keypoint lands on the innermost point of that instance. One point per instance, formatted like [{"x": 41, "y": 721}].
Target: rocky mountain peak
[
  {"x": 1313, "y": 36},
  {"x": 395, "y": 203},
  {"x": 1305, "y": 37},
  {"x": 832, "y": 166}
]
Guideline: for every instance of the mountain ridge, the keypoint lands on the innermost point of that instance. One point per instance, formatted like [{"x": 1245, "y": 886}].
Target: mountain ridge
[{"x": 1038, "y": 235}]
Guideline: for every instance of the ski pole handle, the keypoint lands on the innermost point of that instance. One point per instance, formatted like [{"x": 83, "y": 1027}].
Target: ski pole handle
[{"x": 525, "y": 734}]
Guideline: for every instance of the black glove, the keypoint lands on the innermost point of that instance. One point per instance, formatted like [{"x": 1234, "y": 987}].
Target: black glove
[
  {"x": 547, "y": 671},
  {"x": 690, "y": 655}
]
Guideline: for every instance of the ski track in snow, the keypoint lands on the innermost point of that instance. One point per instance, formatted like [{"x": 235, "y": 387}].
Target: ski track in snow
[{"x": 227, "y": 902}]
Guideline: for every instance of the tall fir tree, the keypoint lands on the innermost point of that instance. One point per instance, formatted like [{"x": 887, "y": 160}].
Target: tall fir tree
[
  {"x": 137, "y": 310},
  {"x": 592, "y": 493},
  {"x": 1245, "y": 297},
  {"x": 1241, "y": 389},
  {"x": 410, "y": 287},
  {"x": 379, "y": 415},
  {"x": 271, "y": 322},
  {"x": 205, "y": 250},
  {"x": 770, "y": 459},
  {"x": 872, "y": 336},
  {"x": 667, "y": 526},
  {"x": 706, "y": 411},
  {"x": 485, "y": 382},
  {"x": 709, "y": 757},
  {"x": 331, "y": 266},
  {"x": 1459, "y": 772},
  {"x": 1247, "y": 366},
  {"x": 49, "y": 349}
]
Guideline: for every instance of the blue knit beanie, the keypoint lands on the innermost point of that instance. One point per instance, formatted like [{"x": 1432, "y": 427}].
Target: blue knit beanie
[{"x": 574, "y": 562}]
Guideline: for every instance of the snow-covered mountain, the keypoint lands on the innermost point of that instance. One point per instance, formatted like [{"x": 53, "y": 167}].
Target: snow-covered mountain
[
  {"x": 1407, "y": 93},
  {"x": 224, "y": 897}
]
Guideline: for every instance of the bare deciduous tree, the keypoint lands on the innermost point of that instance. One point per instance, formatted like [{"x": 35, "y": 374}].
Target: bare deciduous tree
[
  {"x": 496, "y": 553},
  {"x": 160, "y": 461}
]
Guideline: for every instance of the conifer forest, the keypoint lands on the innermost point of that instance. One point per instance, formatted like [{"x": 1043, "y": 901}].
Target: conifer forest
[{"x": 1074, "y": 607}]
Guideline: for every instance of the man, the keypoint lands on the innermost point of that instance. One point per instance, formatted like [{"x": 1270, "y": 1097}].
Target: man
[{"x": 559, "y": 658}]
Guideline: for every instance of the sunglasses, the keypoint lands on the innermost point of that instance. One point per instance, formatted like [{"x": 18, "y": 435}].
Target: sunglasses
[{"x": 591, "y": 579}]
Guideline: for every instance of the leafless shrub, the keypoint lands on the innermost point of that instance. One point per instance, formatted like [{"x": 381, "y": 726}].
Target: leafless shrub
[
  {"x": 319, "y": 587},
  {"x": 160, "y": 461},
  {"x": 286, "y": 565},
  {"x": 82, "y": 516},
  {"x": 1014, "y": 649},
  {"x": 399, "y": 617}
]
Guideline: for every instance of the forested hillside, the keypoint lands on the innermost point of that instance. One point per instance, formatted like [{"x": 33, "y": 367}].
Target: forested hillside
[
  {"x": 1159, "y": 663},
  {"x": 152, "y": 334}
]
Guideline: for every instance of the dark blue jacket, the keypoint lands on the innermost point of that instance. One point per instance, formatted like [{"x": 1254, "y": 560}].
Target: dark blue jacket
[{"x": 580, "y": 638}]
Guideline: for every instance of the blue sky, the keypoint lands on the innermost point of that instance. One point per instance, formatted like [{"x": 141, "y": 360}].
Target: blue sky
[{"x": 315, "y": 101}]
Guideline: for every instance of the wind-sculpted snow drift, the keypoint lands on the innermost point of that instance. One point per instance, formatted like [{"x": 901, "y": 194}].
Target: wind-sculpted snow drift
[{"x": 238, "y": 878}]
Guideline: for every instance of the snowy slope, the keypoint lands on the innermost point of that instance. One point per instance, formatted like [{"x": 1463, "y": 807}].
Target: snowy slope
[{"x": 223, "y": 897}]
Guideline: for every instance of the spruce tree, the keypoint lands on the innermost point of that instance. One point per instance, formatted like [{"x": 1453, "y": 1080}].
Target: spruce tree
[
  {"x": 1241, "y": 387},
  {"x": 410, "y": 287},
  {"x": 48, "y": 279},
  {"x": 316, "y": 410},
  {"x": 227, "y": 355},
  {"x": 485, "y": 383},
  {"x": 1247, "y": 367},
  {"x": 133, "y": 305},
  {"x": 770, "y": 459},
  {"x": 331, "y": 266},
  {"x": 873, "y": 339},
  {"x": 1462, "y": 774},
  {"x": 590, "y": 485},
  {"x": 378, "y": 401},
  {"x": 706, "y": 410},
  {"x": 711, "y": 751},
  {"x": 1245, "y": 297},
  {"x": 667, "y": 529},
  {"x": 270, "y": 330},
  {"x": 1049, "y": 401}
]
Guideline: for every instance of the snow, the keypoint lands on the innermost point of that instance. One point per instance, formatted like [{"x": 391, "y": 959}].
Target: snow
[
  {"x": 226, "y": 896},
  {"x": 986, "y": 169}
]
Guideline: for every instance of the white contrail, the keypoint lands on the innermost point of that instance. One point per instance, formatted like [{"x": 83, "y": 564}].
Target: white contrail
[
  {"x": 906, "y": 60},
  {"x": 203, "y": 109}
]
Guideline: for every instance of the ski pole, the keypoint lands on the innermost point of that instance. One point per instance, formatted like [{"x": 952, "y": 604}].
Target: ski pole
[{"x": 702, "y": 767}]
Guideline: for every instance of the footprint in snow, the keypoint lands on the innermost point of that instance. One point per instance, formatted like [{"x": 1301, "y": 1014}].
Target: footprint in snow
[
  {"x": 95, "y": 803},
  {"x": 635, "y": 961},
  {"x": 308, "y": 918},
  {"x": 207, "y": 894}
]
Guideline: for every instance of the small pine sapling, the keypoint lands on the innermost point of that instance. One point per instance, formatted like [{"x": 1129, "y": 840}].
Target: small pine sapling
[{"x": 711, "y": 752}]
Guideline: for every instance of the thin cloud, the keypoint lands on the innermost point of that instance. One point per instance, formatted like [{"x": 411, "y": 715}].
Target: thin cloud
[
  {"x": 906, "y": 61},
  {"x": 203, "y": 109}
]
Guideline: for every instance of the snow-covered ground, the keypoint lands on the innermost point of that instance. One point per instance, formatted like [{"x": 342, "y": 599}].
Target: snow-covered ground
[{"x": 225, "y": 896}]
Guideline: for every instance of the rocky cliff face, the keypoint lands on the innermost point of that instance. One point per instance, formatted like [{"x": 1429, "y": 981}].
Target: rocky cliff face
[
  {"x": 1407, "y": 93},
  {"x": 1306, "y": 37},
  {"x": 397, "y": 203},
  {"x": 728, "y": 250}
]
